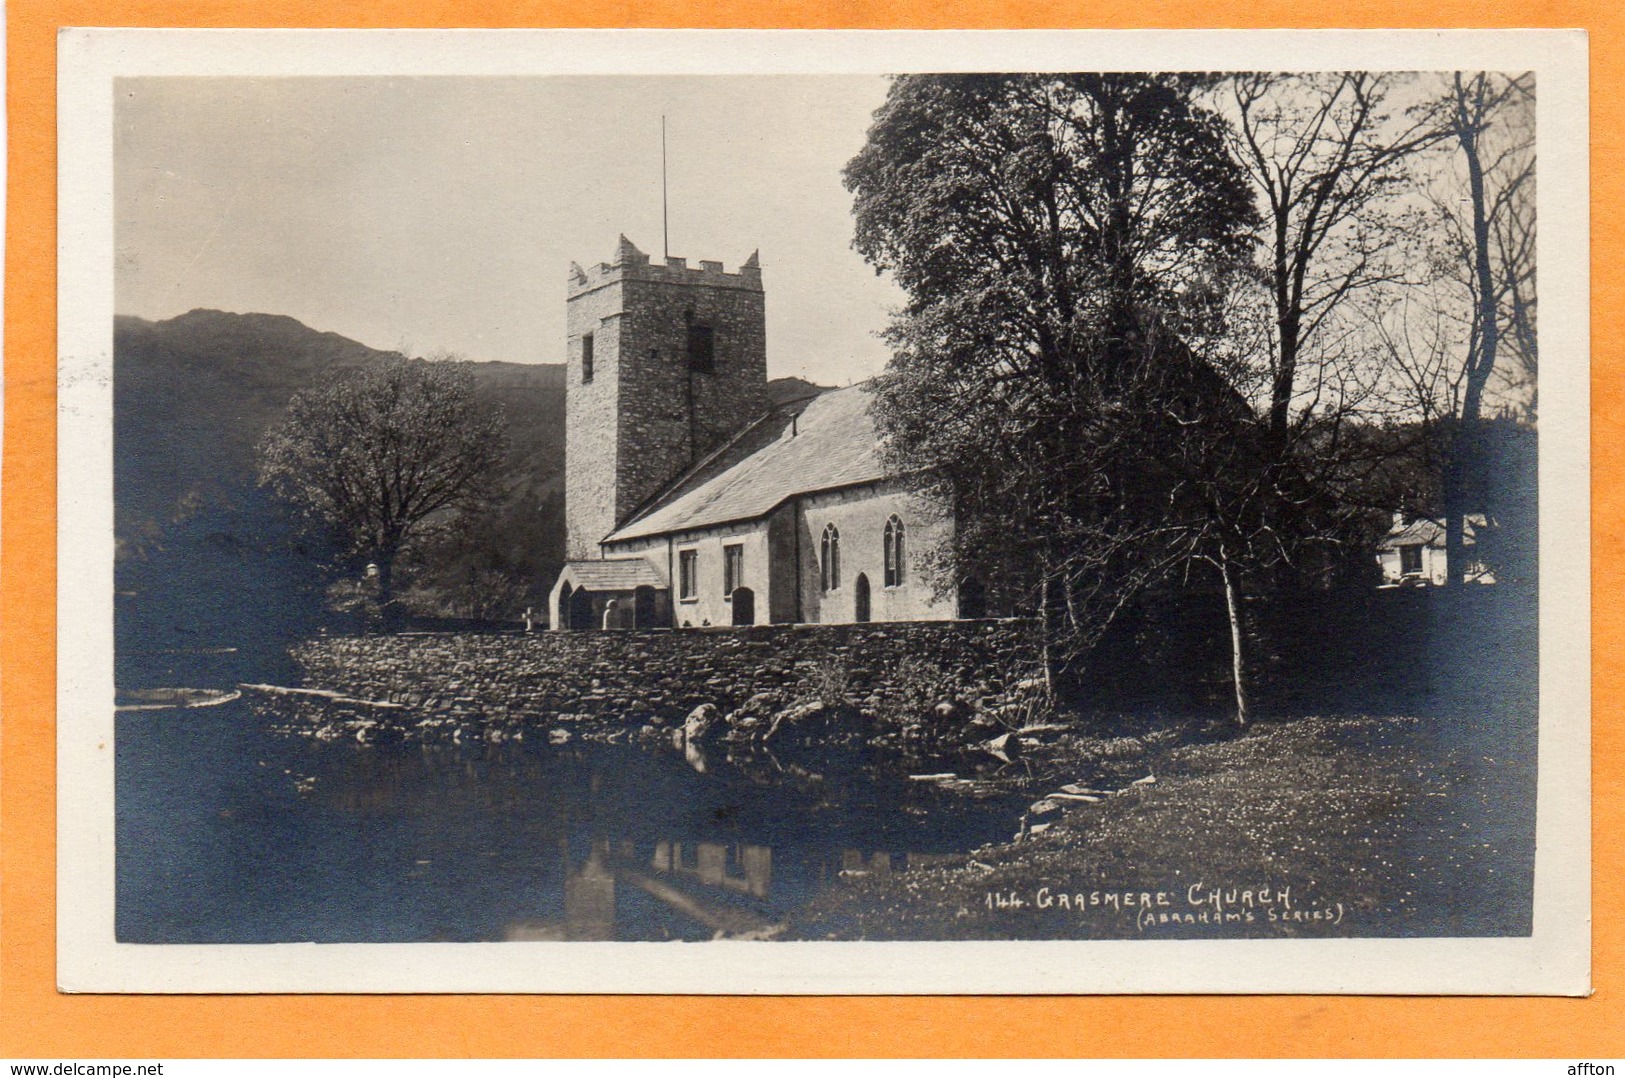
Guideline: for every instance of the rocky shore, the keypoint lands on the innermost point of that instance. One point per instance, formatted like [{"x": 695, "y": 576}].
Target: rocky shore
[
  {"x": 977, "y": 725},
  {"x": 1345, "y": 825},
  {"x": 921, "y": 687}
]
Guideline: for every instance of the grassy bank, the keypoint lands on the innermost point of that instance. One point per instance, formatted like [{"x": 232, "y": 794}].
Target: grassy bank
[{"x": 1333, "y": 826}]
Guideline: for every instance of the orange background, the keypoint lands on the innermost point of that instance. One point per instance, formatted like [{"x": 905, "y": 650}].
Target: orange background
[{"x": 35, "y": 1021}]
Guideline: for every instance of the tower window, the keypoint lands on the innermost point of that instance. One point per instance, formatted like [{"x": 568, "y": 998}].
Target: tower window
[
  {"x": 830, "y": 559},
  {"x": 894, "y": 552},
  {"x": 701, "y": 348},
  {"x": 688, "y": 574},
  {"x": 586, "y": 358}
]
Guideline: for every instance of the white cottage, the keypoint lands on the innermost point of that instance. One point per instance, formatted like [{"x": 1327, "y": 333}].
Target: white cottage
[{"x": 1413, "y": 552}]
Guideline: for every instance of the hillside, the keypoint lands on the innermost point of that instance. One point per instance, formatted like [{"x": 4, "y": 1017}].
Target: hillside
[
  {"x": 780, "y": 390},
  {"x": 205, "y": 558},
  {"x": 194, "y": 394},
  {"x": 199, "y": 546}
]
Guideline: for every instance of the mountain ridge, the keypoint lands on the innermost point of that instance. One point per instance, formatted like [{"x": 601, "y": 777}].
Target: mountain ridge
[{"x": 199, "y": 544}]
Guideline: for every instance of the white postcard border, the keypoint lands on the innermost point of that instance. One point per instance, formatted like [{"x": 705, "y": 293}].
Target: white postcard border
[{"x": 1555, "y": 959}]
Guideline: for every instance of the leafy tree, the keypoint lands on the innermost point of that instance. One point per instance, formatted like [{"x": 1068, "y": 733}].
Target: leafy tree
[
  {"x": 386, "y": 458},
  {"x": 1066, "y": 243}
]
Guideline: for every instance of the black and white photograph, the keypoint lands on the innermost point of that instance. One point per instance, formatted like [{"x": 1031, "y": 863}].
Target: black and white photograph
[{"x": 779, "y": 495}]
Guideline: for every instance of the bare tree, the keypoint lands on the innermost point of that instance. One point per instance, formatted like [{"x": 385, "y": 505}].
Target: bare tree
[
  {"x": 1485, "y": 204},
  {"x": 1460, "y": 338},
  {"x": 1324, "y": 153}
]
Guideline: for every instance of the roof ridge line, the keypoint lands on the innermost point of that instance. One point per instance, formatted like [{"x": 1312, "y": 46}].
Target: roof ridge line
[{"x": 776, "y": 506}]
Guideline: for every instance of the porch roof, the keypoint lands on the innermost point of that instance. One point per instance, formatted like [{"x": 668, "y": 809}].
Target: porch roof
[{"x": 612, "y": 574}]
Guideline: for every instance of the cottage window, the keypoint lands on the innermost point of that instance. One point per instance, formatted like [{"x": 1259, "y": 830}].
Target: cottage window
[
  {"x": 830, "y": 558},
  {"x": 733, "y": 567},
  {"x": 688, "y": 574},
  {"x": 1410, "y": 559},
  {"x": 586, "y": 358},
  {"x": 894, "y": 552}
]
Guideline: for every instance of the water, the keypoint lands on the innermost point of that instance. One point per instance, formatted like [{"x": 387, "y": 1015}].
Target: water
[{"x": 227, "y": 834}]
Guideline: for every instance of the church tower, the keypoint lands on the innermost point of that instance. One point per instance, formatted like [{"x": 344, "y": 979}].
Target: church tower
[{"x": 665, "y": 362}]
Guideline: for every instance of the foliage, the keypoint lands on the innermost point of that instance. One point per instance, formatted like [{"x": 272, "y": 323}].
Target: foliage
[
  {"x": 1064, "y": 241},
  {"x": 385, "y": 458},
  {"x": 489, "y": 594},
  {"x": 987, "y": 191},
  {"x": 828, "y": 682},
  {"x": 199, "y": 543},
  {"x": 1156, "y": 330}
]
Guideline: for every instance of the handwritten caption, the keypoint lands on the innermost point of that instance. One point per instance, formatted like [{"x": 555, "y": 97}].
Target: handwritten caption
[{"x": 1198, "y": 904}]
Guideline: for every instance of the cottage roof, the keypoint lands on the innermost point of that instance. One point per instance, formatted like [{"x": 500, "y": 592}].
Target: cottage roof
[
  {"x": 612, "y": 574},
  {"x": 1424, "y": 531},
  {"x": 816, "y": 443}
]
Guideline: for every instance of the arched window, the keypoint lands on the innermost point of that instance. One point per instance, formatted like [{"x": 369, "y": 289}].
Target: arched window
[
  {"x": 894, "y": 552},
  {"x": 830, "y": 557}
]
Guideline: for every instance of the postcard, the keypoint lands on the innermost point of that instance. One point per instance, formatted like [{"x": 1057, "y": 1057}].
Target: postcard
[{"x": 823, "y": 512}]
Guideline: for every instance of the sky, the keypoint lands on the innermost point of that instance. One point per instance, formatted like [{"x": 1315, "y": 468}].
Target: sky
[{"x": 441, "y": 214}]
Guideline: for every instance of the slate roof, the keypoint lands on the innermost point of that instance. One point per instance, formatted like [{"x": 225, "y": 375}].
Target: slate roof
[
  {"x": 818, "y": 443},
  {"x": 612, "y": 574},
  {"x": 1424, "y": 531}
]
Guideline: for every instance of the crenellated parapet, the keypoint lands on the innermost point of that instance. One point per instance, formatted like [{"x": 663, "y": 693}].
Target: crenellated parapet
[{"x": 631, "y": 264}]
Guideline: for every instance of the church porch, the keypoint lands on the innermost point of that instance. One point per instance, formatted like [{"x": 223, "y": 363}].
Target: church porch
[{"x": 611, "y": 593}]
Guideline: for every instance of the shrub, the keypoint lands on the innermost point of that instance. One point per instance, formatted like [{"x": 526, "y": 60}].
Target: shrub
[
  {"x": 829, "y": 682},
  {"x": 916, "y": 685}
]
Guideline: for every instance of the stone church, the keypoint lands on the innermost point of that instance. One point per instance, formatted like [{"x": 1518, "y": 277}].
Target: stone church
[{"x": 691, "y": 500}]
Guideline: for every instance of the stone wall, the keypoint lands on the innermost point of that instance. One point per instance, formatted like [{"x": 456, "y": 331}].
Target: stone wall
[{"x": 659, "y": 676}]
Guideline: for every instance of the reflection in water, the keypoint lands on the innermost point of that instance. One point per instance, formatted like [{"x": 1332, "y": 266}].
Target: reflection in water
[
  {"x": 589, "y": 897},
  {"x": 228, "y": 835},
  {"x": 709, "y": 884},
  {"x": 694, "y": 755},
  {"x": 716, "y": 865}
]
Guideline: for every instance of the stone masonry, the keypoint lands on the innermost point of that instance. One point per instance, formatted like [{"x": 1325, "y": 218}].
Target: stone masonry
[{"x": 646, "y": 415}]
